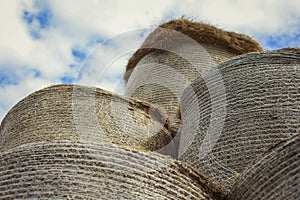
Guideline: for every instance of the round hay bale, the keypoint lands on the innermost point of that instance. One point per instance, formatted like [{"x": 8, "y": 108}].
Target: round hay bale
[
  {"x": 221, "y": 45},
  {"x": 91, "y": 171},
  {"x": 261, "y": 107},
  {"x": 79, "y": 113},
  {"x": 274, "y": 176},
  {"x": 173, "y": 55}
]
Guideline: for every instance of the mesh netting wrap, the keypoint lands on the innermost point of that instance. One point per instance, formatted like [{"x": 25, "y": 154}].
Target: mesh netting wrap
[
  {"x": 261, "y": 106},
  {"x": 91, "y": 171},
  {"x": 274, "y": 176},
  {"x": 175, "y": 54},
  {"x": 80, "y": 113}
]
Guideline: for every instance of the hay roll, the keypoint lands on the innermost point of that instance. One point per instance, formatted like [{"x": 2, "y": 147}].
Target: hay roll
[
  {"x": 72, "y": 112},
  {"x": 85, "y": 171},
  {"x": 261, "y": 106},
  {"x": 175, "y": 54},
  {"x": 274, "y": 176},
  {"x": 220, "y": 45}
]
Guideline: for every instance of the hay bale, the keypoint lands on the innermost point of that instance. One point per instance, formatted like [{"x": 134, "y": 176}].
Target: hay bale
[
  {"x": 175, "y": 54},
  {"x": 274, "y": 176},
  {"x": 79, "y": 113},
  {"x": 224, "y": 131},
  {"x": 220, "y": 44},
  {"x": 86, "y": 171}
]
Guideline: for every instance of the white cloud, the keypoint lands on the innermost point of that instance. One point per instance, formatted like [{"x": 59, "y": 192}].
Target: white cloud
[
  {"x": 106, "y": 63},
  {"x": 51, "y": 55},
  {"x": 254, "y": 17},
  {"x": 108, "y": 18},
  {"x": 73, "y": 24},
  {"x": 13, "y": 34},
  {"x": 79, "y": 24}
]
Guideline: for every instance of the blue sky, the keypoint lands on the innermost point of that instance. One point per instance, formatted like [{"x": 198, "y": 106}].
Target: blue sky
[{"x": 46, "y": 42}]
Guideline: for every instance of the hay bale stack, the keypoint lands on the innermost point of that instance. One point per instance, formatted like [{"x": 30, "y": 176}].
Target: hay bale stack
[
  {"x": 224, "y": 131},
  {"x": 175, "y": 54},
  {"x": 79, "y": 113},
  {"x": 274, "y": 176},
  {"x": 71, "y": 170}
]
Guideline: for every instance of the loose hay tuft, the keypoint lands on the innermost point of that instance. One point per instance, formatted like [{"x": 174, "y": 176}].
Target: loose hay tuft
[{"x": 286, "y": 50}]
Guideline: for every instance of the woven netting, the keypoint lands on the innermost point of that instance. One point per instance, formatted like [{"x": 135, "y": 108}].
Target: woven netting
[
  {"x": 274, "y": 176},
  {"x": 79, "y": 113},
  {"x": 175, "y": 54},
  {"x": 85, "y": 171},
  {"x": 225, "y": 130}
]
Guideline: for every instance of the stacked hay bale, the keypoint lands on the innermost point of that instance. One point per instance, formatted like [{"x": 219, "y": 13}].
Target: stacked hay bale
[
  {"x": 77, "y": 142},
  {"x": 79, "y": 113},
  {"x": 58, "y": 143},
  {"x": 273, "y": 176},
  {"x": 260, "y": 108},
  {"x": 88, "y": 171},
  {"x": 175, "y": 54}
]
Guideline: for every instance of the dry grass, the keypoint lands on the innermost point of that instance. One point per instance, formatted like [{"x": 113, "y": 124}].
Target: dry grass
[{"x": 286, "y": 50}]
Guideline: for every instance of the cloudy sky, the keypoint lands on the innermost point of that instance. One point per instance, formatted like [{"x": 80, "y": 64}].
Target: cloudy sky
[{"x": 46, "y": 42}]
